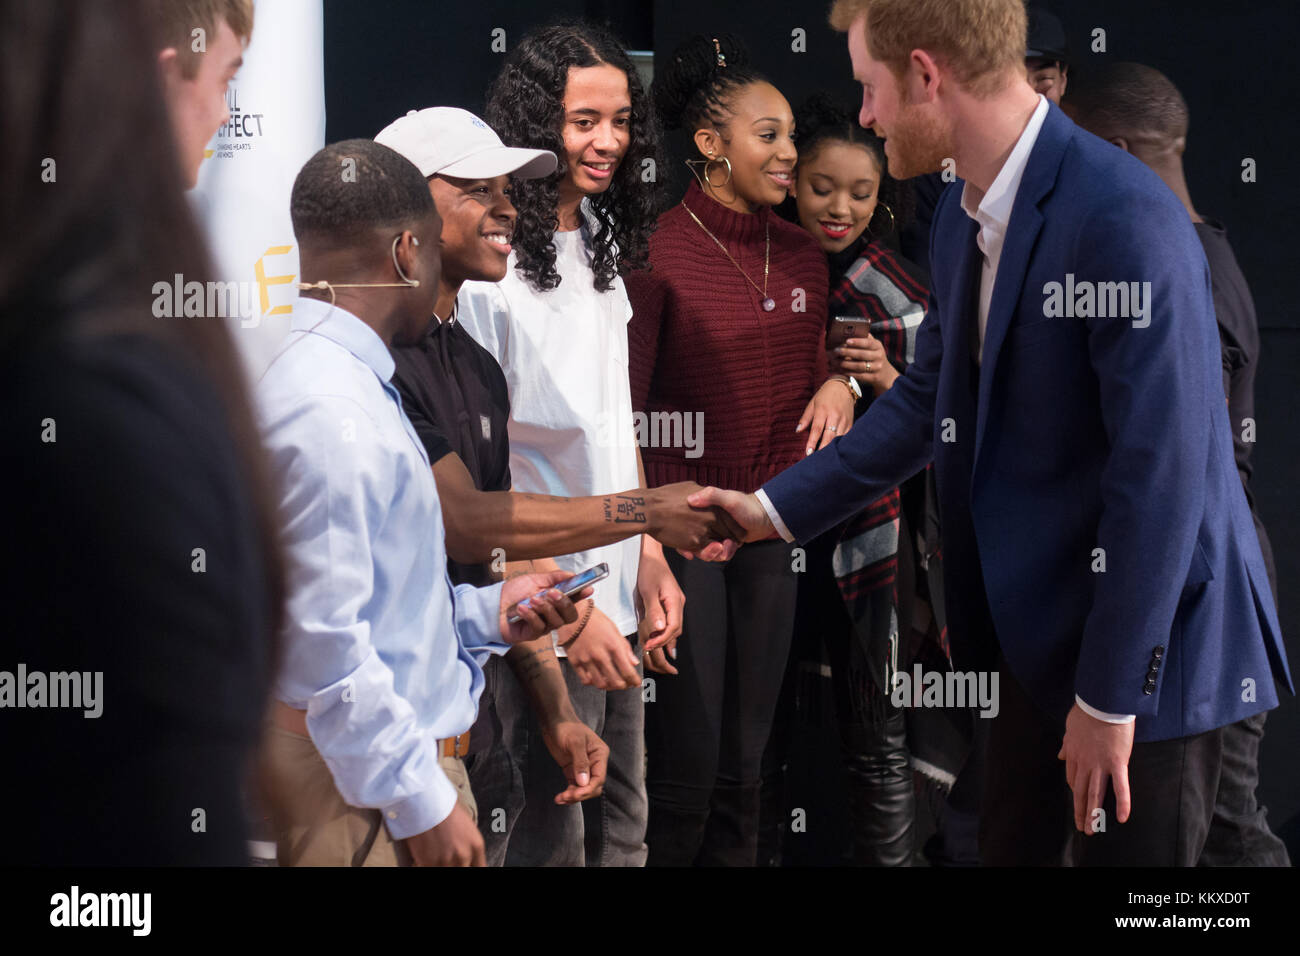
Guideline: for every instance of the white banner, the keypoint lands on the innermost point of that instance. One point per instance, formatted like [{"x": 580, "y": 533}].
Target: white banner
[{"x": 277, "y": 121}]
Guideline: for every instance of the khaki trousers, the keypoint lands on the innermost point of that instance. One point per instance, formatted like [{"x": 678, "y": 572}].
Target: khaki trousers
[{"x": 315, "y": 826}]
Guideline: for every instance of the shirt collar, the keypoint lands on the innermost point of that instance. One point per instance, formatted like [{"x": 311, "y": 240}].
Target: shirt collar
[
  {"x": 994, "y": 207},
  {"x": 439, "y": 321},
  {"x": 343, "y": 328}
]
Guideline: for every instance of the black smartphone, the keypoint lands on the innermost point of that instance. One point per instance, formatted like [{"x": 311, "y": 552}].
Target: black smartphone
[{"x": 568, "y": 587}]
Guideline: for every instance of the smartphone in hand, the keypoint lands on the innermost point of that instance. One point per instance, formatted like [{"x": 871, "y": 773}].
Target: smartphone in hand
[{"x": 568, "y": 587}]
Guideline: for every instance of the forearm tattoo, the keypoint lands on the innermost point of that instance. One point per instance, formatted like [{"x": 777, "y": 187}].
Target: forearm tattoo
[
  {"x": 529, "y": 665},
  {"x": 625, "y": 509}
]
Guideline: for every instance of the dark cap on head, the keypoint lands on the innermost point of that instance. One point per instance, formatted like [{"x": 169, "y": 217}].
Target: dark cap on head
[{"x": 1046, "y": 36}]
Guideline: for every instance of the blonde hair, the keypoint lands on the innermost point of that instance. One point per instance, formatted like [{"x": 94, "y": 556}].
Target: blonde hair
[
  {"x": 978, "y": 40},
  {"x": 175, "y": 20}
]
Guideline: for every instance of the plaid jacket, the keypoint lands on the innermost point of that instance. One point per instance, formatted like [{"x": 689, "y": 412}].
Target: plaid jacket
[{"x": 890, "y": 293}]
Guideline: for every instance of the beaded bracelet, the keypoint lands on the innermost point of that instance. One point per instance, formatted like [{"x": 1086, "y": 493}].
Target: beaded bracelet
[{"x": 586, "y": 616}]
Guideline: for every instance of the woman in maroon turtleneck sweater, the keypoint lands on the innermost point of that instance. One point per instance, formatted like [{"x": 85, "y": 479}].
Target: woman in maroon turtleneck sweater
[{"x": 728, "y": 366}]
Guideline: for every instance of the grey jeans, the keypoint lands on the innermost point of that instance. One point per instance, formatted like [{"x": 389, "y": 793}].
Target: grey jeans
[{"x": 516, "y": 779}]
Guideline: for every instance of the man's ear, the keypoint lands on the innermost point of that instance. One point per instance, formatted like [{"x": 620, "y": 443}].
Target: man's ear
[
  {"x": 1121, "y": 142},
  {"x": 169, "y": 65},
  {"x": 1065, "y": 79},
  {"x": 405, "y": 256},
  {"x": 921, "y": 78}
]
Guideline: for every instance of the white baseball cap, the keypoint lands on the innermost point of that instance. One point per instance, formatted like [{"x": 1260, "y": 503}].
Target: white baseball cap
[{"x": 455, "y": 142}]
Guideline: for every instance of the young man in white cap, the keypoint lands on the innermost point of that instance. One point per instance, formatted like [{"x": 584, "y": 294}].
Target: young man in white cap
[{"x": 456, "y": 396}]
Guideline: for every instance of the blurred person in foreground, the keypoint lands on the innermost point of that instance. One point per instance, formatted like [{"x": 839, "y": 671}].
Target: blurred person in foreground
[{"x": 140, "y": 570}]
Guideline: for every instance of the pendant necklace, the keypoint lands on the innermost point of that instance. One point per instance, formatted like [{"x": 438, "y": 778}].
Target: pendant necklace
[{"x": 767, "y": 303}]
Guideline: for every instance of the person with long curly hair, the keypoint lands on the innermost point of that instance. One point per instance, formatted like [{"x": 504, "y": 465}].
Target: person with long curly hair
[
  {"x": 557, "y": 324},
  {"x": 728, "y": 330}
]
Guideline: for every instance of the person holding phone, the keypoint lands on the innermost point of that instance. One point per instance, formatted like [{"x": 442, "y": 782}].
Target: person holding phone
[
  {"x": 383, "y": 656},
  {"x": 728, "y": 331},
  {"x": 856, "y": 596}
]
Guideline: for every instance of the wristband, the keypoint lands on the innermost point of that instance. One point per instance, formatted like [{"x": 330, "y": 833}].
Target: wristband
[
  {"x": 850, "y": 383},
  {"x": 586, "y": 616}
]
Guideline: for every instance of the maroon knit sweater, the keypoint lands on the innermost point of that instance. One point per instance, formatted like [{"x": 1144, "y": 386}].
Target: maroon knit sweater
[{"x": 699, "y": 341}]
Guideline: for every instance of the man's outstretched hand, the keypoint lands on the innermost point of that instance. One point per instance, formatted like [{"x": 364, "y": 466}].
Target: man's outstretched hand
[{"x": 746, "y": 513}]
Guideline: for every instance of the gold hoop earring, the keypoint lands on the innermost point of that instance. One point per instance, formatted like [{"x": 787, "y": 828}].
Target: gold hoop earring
[
  {"x": 703, "y": 180},
  {"x": 893, "y": 223},
  {"x": 726, "y": 181}
]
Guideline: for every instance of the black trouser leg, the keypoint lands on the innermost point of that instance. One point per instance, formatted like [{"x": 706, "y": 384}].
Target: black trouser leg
[
  {"x": 683, "y": 721},
  {"x": 1239, "y": 833},
  {"x": 761, "y": 595},
  {"x": 1173, "y": 785},
  {"x": 1027, "y": 814}
]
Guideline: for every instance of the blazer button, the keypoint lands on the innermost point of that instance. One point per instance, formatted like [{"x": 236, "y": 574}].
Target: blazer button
[
  {"x": 1149, "y": 688},
  {"x": 1153, "y": 674},
  {"x": 1158, "y": 653}
]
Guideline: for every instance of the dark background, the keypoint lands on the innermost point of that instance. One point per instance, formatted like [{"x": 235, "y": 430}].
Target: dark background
[{"x": 1234, "y": 64}]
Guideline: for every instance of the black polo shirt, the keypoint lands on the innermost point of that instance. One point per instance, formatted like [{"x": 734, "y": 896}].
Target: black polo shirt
[{"x": 455, "y": 395}]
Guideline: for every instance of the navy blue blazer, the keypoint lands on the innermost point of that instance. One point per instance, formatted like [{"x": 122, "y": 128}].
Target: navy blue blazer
[{"x": 1096, "y": 481}]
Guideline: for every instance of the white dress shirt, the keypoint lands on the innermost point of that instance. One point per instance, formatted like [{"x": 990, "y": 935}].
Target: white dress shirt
[
  {"x": 380, "y": 650},
  {"x": 992, "y": 211}
]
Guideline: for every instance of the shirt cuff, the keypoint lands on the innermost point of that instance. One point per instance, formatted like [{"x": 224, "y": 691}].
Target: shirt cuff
[
  {"x": 478, "y": 619},
  {"x": 421, "y": 811},
  {"x": 1102, "y": 715},
  {"x": 772, "y": 516}
]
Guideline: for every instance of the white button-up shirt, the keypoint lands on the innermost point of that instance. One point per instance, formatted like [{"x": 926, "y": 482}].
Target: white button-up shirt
[
  {"x": 380, "y": 650},
  {"x": 992, "y": 210}
]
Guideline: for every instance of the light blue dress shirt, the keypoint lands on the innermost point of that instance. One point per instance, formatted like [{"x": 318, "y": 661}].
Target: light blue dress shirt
[{"x": 380, "y": 649}]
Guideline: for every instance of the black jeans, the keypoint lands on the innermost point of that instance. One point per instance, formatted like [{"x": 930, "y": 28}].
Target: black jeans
[
  {"x": 707, "y": 726},
  {"x": 1240, "y": 834}
]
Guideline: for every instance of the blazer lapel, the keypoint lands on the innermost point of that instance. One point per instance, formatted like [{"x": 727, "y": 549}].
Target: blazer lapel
[
  {"x": 1022, "y": 232},
  {"x": 963, "y": 293}
]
